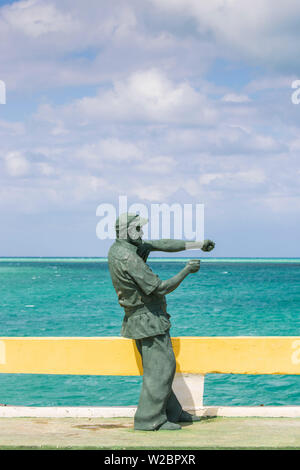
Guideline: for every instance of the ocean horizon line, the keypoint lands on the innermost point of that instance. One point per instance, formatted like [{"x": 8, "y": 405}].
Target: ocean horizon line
[{"x": 151, "y": 259}]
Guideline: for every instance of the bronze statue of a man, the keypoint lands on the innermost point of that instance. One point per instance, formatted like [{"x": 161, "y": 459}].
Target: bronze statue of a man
[{"x": 142, "y": 295}]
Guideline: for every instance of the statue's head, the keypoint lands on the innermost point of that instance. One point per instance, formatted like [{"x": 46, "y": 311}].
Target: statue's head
[{"x": 129, "y": 227}]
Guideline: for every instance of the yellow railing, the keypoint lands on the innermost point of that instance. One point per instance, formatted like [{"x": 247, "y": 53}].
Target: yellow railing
[{"x": 118, "y": 356}]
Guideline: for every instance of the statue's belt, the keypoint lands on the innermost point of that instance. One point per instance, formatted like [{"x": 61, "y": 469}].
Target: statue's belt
[{"x": 157, "y": 308}]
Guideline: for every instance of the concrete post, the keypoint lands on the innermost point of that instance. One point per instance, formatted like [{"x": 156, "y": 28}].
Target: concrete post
[{"x": 189, "y": 390}]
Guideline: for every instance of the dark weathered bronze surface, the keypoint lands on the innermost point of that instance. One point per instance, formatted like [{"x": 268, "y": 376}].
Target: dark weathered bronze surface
[{"x": 142, "y": 295}]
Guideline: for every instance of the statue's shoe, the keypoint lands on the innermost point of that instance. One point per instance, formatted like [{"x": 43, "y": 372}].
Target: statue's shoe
[
  {"x": 186, "y": 417},
  {"x": 168, "y": 426}
]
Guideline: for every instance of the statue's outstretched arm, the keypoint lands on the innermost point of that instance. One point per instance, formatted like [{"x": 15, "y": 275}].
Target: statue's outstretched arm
[
  {"x": 172, "y": 246},
  {"x": 179, "y": 245},
  {"x": 165, "y": 287},
  {"x": 166, "y": 244}
]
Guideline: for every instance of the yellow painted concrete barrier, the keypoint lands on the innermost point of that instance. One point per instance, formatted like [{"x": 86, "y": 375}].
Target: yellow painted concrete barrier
[{"x": 119, "y": 356}]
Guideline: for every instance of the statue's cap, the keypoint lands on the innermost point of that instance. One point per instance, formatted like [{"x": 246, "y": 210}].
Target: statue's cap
[{"x": 125, "y": 219}]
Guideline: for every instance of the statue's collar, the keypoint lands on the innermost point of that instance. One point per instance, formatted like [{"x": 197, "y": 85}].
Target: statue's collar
[{"x": 127, "y": 244}]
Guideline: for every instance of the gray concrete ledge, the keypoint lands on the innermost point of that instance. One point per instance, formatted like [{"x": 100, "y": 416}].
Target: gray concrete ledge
[{"x": 118, "y": 433}]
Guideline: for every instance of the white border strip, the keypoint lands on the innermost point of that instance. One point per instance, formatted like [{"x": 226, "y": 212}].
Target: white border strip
[
  {"x": 67, "y": 412},
  {"x": 129, "y": 411}
]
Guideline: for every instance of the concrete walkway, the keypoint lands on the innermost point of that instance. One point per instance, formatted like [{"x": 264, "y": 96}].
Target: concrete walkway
[{"x": 118, "y": 433}]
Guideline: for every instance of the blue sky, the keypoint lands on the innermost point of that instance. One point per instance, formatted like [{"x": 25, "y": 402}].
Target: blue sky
[{"x": 175, "y": 101}]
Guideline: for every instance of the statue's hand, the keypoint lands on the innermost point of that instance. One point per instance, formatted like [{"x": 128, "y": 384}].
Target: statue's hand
[
  {"x": 193, "y": 265},
  {"x": 208, "y": 245},
  {"x": 143, "y": 251}
]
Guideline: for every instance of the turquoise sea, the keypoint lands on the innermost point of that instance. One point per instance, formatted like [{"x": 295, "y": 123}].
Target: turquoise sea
[{"x": 75, "y": 297}]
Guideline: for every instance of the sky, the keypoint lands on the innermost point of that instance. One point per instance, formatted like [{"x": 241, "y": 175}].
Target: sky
[{"x": 173, "y": 101}]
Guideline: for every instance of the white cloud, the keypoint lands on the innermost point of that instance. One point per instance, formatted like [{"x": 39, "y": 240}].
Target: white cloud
[
  {"x": 224, "y": 138},
  {"x": 233, "y": 179},
  {"x": 270, "y": 83},
  {"x": 45, "y": 169},
  {"x": 162, "y": 165},
  {"x": 155, "y": 126},
  {"x": 66, "y": 43},
  {"x": 35, "y": 18},
  {"x": 260, "y": 30},
  {"x": 108, "y": 151},
  {"x": 16, "y": 164},
  {"x": 153, "y": 192},
  {"x": 235, "y": 98},
  {"x": 12, "y": 128},
  {"x": 147, "y": 96}
]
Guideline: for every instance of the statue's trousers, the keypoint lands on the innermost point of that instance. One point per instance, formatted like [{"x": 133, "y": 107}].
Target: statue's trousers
[{"x": 158, "y": 402}]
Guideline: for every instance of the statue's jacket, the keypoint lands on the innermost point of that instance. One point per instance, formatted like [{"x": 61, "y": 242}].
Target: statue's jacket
[{"x": 135, "y": 283}]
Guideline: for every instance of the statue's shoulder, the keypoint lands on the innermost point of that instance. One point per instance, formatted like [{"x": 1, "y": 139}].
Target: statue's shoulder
[{"x": 118, "y": 252}]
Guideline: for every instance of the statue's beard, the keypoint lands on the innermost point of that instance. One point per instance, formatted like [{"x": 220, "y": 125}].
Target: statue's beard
[{"x": 136, "y": 242}]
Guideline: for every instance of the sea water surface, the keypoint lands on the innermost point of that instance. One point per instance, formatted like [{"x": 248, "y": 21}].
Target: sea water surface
[{"x": 75, "y": 297}]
